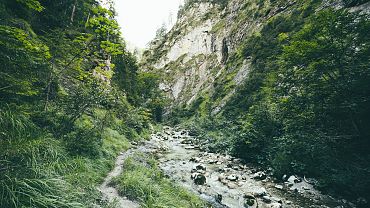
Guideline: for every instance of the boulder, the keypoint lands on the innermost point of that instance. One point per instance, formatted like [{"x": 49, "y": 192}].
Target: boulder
[
  {"x": 218, "y": 198},
  {"x": 198, "y": 178}
]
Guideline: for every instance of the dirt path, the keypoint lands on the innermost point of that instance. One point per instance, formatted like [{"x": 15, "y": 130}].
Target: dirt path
[{"x": 111, "y": 193}]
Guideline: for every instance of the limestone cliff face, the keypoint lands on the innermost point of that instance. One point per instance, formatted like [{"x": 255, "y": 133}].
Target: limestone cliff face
[{"x": 199, "y": 52}]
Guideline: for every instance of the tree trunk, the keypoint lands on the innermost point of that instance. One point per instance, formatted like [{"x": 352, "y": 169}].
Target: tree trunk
[{"x": 73, "y": 11}]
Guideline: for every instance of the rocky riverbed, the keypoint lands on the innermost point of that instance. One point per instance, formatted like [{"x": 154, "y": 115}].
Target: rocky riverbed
[{"x": 225, "y": 181}]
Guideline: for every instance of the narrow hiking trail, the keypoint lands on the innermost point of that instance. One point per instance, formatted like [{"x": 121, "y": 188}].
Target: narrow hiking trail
[
  {"x": 221, "y": 180},
  {"x": 109, "y": 192}
]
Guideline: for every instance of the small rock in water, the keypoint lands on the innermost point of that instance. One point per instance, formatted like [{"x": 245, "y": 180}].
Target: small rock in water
[
  {"x": 266, "y": 199},
  {"x": 288, "y": 202},
  {"x": 199, "y": 179},
  {"x": 212, "y": 161},
  {"x": 232, "y": 177},
  {"x": 218, "y": 198},
  {"x": 200, "y": 167},
  {"x": 275, "y": 205},
  {"x": 235, "y": 167},
  {"x": 258, "y": 192},
  {"x": 280, "y": 187},
  {"x": 293, "y": 179},
  {"x": 186, "y": 141},
  {"x": 194, "y": 159},
  {"x": 189, "y": 147},
  {"x": 259, "y": 175}
]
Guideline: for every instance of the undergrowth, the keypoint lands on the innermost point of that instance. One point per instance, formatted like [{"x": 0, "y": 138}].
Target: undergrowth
[
  {"x": 37, "y": 170},
  {"x": 143, "y": 181}
]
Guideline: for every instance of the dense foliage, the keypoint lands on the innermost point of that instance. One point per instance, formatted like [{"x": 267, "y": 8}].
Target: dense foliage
[
  {"x": 304, "y": 108},
  {"x": 71, "y": 99}
]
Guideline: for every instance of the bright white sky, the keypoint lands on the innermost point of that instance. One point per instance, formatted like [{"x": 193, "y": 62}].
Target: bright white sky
[{"x": 139, "y": 19}]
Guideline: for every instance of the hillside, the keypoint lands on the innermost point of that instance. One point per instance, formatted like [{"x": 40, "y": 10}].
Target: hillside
[{"x": 283, "y": 84}]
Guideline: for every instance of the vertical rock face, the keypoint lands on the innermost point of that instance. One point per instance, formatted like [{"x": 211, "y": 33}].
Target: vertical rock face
[
  {"x": 202, "y": 51},
  {"x": 195, "y": 51}
]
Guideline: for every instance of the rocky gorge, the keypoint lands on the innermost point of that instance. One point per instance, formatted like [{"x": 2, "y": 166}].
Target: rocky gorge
[
  {"x": 225, "y": 181},
  {"x": 262, "y": 81}
]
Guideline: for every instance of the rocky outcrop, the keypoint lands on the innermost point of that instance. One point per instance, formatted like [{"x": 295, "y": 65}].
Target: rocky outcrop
[
  {"x": 194, "y": 53},
  {"x": 201, "y": 56}
]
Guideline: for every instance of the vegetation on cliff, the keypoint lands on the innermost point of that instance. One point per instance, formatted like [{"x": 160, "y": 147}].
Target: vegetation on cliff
[{"x": 304, "y": 107}]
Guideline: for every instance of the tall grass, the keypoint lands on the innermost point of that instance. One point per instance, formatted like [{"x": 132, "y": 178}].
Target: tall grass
[
  {"x": 37, "y": 171},
  {"x": 27, "y": 176},
  {"x": 143, "y": 180}
]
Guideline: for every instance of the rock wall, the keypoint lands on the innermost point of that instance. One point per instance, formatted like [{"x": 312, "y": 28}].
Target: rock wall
[{"x": 197, "y": 51}]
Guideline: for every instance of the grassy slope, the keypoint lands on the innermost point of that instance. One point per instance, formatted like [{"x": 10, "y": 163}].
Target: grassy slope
[{"x": 37, "y": 171}]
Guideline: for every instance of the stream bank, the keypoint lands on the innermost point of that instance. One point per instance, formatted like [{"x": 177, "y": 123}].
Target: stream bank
[{"x": 225, "y": 181}]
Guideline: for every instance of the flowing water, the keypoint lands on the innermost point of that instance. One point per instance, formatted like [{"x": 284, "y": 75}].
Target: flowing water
[
  {"x": 222, "y": 180},
  {"x": 229, "y": 182}
]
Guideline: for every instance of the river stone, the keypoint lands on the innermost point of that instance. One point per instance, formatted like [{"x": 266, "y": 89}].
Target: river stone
[
  {"x": 212, "y": 161},
  {"x": 280, "y": 187},
  {"x": 186, "y": 141},
  {"x": 266, "y": 199},
  {"x": 275, "y": 205},
  {"x": 218, "y": 198},
  {"x": 259, "y": 175},
  {"x": 293, "y": 179},
  {"x": 260, "y": 191},
  {"x": 199, "y": 179},
  {"x": 235, "y": 168},
  {"x": 194, "y": 159},
  {"x": 232, "y": 177},
  {"x": 190, "y": 147},
  {"x": 200, "y": 167}
]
